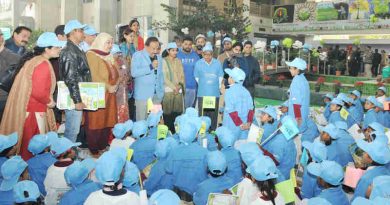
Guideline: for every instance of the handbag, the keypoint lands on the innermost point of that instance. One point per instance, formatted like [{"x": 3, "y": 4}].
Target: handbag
[{"x": 7, "y": 77}]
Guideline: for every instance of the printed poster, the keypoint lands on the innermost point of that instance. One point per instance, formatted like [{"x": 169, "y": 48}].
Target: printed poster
[
  {"x": 305, "y": 12},
  {"x": 283, "y": 14},
  {"x": 359, "y": 9},
  {"x": 332, "y": 10}
]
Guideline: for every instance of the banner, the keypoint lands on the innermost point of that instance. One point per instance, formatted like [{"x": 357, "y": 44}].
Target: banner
[
  {"x": 328, "y": 11},
  {"x": 359, "y": 9},
  {"x": 305, "y": 12}
]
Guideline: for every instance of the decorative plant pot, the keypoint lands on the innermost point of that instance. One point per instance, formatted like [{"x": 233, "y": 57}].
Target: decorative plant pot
[
  {"x": 338, "y": 72},
  {"x": 317, "y": 88}
]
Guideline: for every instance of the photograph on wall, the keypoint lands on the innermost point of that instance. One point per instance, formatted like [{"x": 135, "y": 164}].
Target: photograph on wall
[
  {"x": 283, "y": 14},
  {"x": 305, "y": 12},
  {"x": 359, "y": 9},
  {"x": 380, "y": 8},
  {"x": 332, "y": 10}
]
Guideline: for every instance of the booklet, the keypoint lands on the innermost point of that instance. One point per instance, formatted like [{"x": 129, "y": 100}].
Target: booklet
[
  {"x": 222, "y": 199},
  {"x": 356, "y": 132}
]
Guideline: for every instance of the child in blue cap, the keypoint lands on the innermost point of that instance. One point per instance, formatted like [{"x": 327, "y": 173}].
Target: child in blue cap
[
  {"x": 12, "y": 170},
  {"x": 55, "y": 184},
  {"x": 375, "y": 156},
  {"x": 164, "y": 197},
  {"x": 344, "y": 141},
  {"x": 380, "y": 112},
  {"x": 158, "y": 178},
  {"x": 144, "y": 145},
  {"x": 187, "y": 162},
  {"x": 371, "y": 115},
  {"x": 131, "y": 178},
  {"x": 226, "y": 140},
  {"x": 269, "y": 122},
  {"x": 316, "y": 152},
  {"x": 239, "y": 109},
  {"x": 121, "y": 132},
  {"x": 264, "y": 173},
  {"x": 154, "y": 119},
  {"x": 380, "y": 187},
  {"x": 373, "y": 127},
  {"x": 205, "y": 135},
  {"x": 27, "y": 192},
  {"x": 381, "y": 94},
  {"x": 330, "y": 176},
  {"x": 38, "y": 165},
  {"x": 352, "y": 117},
  {"x": 335, "y": 106},
  {"x": 77, "y": 177},
  {"x": 327, "y": 99},
  {"x": 7, "y": 147},
  {"x": 330, "y": 137},
  {"x": 217, "y": 182},
  {"x": 355, "y": 95}
]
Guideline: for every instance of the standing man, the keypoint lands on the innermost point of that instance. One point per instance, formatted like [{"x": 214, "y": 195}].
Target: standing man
[
  {"x": 90, "y": 35},
  {"x": 367, "y": 60},
  {"x": 200, "y": 42},
  {"x": 253, "y": 68},
  {"x": 188, "y": 58},
  {"x": 146, "y": 69},
  {"x": 227, "y": 47},
  {"x": 17, "y": 44},
  {"x": 376, "y": 61},
  {"x": 7, "y": 59},
  {"x": 73, "y": 68},
  {"x": 209, "y": 74}
]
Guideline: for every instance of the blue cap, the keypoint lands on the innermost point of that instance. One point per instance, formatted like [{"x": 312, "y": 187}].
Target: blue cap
[
  {"x": 332, "y": 130},
  {"x": 226, "y": 39},
  {"x": 380, "y": 136},
  {"x": 382, "y": 88},
  {"x": 373, "y": 100},
  {"x": 317, "y": 150},
  {"x": 298, "y": 63},
  {"x": 329, "y": 171},
  {"x": 61, "y": 145},
  {"x": 318, "y": 201},
  {"x": 271, "y": 111},
  {"x": 164, "y": 197},
  {"x": 154, "y": 118},
  {"x": 171, "y": 45},
  {"x": 345, "y": 98},
  {"x": 225, "y": 136},
  {"x": 337, "y": 101},
  {"x": 263, "y": 168},
  {"x": 72, "y": 25},
  {"x": 131, "y": 174},
  {"x": 89, "y": 30},
  {"x": 192, "y": 112},
  {"x": 249, "y": 152},
  {"x": 115, "y": 49},
  {"x": 7, "y": 141},
  {"x": 341, "y": 96},
  {"x": 380, "y": 187},
  {"x": 23, "y": 187},
  {"x": 140, "y": 128},
  {"x": 377, "y": 127},
  {"x": 207, "y": 121},
  {"x": 109, "y": 167},
  {"x": 342, "y": 125},
  {"x": 11, "y": 171},
  {"x": 163, "y": 147},
  {"x": 78, "y": 171},
  {"x": 328, "y": 95},
  {"x": 48, "y": 39},
  {"x": 216, "y": 162},
  {"x": 356, "y": 93},
  {"x": 378, "y": 151},
  {"x": 379, "y": 104},
  {"x": 187, "y": 133},
  {"x": 207, "y": 48},
  {"x": 378, "y": 200},
  {"x": 284, "y": 104},
  {"x": 237, "y": 74},
  {"x": 120, "y": 129},
  {"x": 40, "y": 142}
]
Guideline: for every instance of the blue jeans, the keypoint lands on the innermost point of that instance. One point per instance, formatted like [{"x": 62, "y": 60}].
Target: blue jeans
[
  {"x": 189, "y": 99},
  {"x": 72, "y": 124}
]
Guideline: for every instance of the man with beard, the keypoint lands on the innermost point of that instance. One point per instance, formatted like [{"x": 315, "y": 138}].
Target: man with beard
[
  {"x": 236, "y": 59},
  {"x": 17, "y": 44},
  {"x": 227, "y": 47},
  {"x": 200, "y": 42},
  {"x": 188, "y": 58}
]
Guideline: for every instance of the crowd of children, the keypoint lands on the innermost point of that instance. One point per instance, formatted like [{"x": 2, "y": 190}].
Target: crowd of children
[{"x": 145, "y": 166}]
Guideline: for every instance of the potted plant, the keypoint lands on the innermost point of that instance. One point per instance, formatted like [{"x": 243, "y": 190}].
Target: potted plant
[
  {"x": 359, "y": 85},
  {"x": 320, "y": 81},
  {"x": 337, "y": 86},
  {"x": 266, "y": 78},
  {"x": 280, "y": 79}
]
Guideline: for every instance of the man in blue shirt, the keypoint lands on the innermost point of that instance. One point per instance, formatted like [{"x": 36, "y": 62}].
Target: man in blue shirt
[
  {"x": 146, "y": 69},
  {"x": 209, "y": 74},
  {"x": 188, "y": 58}
]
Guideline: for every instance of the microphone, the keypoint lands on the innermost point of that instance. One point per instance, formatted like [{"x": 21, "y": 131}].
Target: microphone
[{"x": 154, "y": 59}]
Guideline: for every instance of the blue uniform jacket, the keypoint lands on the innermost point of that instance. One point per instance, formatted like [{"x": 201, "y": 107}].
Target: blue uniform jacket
[
  {"x": 369, "y": 117},
  {"x": 211, "y": 185},
  {"x": 37, "y": 168},
  {"x": 381, "y": 117},
  {"x": 158, "y": 178},
  {"x": 387, "y": 118},
  {"x": 334, "y": 152},
  {"x": 7, "y": 197},
  {"x": 310, "y": 186},
  {"x": 188, "y": 165},
  {"x": 233, "y": 159},
  {"x": 335, "y": 116},
  {"x": 269, "y": 129},
  {"x": 211, "y": 144},
  {"x": 354, "y": 116},
  {"x": 367, "y": 179},
  {"x": 311, "y": 132},
  {"x": 359, "y": 109},
  {"x": 2, "y": 160},
  {"x": 208, "y": 75},
  {"x": 284, "y": 151},
  {"x": 143, "y": 151},
  {"x": 146, "y": 82},
  {"x": 237, "y": 99},
  {"x": 77, "y": 195},
  {"x": 134, "y": 188},
  {"x": 327, "y": 111},
  {"x": 335, "y": 196},
  {"x": 300, "y": 95},
  {"x": 343, "y": 144}
]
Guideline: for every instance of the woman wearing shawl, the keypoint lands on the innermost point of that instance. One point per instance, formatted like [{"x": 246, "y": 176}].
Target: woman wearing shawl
[
  {"x": 101, "y": 64},
  {"x": 29, "y": 106}
]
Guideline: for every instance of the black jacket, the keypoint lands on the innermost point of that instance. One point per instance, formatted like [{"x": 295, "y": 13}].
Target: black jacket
[
  {"x": 73, "y": 68},
  {"x": 254, "y": 71}
]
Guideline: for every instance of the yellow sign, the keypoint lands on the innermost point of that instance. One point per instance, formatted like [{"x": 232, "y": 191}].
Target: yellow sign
[
  {"x": 293, "y": 178},
  {"x": 130, "y": 153},
  {"x": 149, "y": 105},
  {"x": 202, "y": 130},
  {"x": 208, "y": 102},
  {"x": 162, "y": 132},
  {"x": 260, "y": 137},
  {"x": 286, "y": 189},
  {"x": 344, "y": 113}
]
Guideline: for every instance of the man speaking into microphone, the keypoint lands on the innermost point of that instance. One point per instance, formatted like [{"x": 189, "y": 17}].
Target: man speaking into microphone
[{"x": 146, "y": 69}]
